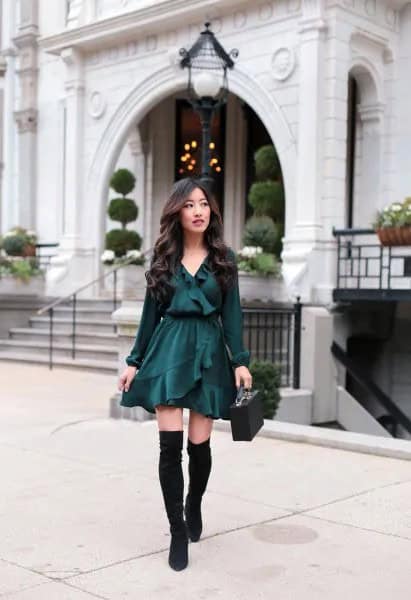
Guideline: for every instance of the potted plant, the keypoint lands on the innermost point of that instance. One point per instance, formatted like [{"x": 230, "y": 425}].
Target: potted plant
[
  {"x": 259, "y": 276},
  {"x": 123, "y": 245},
  {"x": 19, "y": 241},
  {"x": 393, "y": 224},
  {"x": 21, "y": 276},
  {"x": 267, "y": 379}
]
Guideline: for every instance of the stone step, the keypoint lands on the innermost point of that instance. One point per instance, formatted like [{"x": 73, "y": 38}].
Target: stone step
[
  {"x": 61, "y": 336},
  {"x": 66, "y": 312},
  {"x": 82, "y": 325},
  {"x": 89, "y": 351},
  {"x": 101, "y": 366}
]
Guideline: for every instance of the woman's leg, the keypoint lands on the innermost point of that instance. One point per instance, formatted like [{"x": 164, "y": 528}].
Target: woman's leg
[
  {"x": 199, "y": 467},
  {"x": 170, "y": 425}
]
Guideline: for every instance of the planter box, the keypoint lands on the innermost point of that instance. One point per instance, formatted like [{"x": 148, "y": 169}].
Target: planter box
[
  {"x": 394, "y": 236},
  {"x": 34, "y": 287},
  {"x": 263, "y": 288},
  {"x": 131, "y": 281}
]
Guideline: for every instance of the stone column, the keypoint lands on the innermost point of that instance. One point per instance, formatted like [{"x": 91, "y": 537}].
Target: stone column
[
  {"x": 234, "y": 195},
  {"x": 127, "y": 319},
  {"x": 137, "y": 149},
  {"x": 73, "y": 264},
  {"x": 75, "y": 89},
  {"x": 26, "y": 113},
  {"x": 307, "y": 229}
]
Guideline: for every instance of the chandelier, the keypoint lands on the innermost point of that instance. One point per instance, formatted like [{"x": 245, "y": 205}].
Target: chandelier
[{"x": 189, "y": 162}]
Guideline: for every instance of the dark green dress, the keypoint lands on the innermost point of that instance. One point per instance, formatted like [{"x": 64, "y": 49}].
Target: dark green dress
[{"x": 181, "y": 350}]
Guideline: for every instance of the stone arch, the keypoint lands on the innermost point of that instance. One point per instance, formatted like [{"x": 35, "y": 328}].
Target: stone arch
[{"x": 154, "y": 88}]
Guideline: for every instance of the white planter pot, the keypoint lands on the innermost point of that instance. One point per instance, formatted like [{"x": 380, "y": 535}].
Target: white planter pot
[
  {"x": 262, "y": 288},
  {"x": 16, "y": 287},
  {"x": 131, "y": 281}
]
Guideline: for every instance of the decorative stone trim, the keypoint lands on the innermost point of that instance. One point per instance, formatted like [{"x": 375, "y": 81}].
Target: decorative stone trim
[{"x": 26, "y": 120}]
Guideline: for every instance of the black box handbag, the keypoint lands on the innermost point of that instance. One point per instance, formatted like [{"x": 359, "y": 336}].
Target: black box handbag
[{"x": 246, "y": 415}]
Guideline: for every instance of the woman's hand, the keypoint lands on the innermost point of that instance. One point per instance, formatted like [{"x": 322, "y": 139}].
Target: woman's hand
[
  {"x": 126, "y": 378},
  {"x": 242, "y": 374}
]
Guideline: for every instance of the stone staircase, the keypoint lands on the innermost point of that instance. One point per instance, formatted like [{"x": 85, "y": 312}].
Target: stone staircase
[{"x": 96, "y": 340}]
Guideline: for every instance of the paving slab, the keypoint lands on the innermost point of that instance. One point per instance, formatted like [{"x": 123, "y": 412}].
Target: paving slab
[
  {"x": 292, "y": 558},
  {"x": 82, "y": 516},
  {"x": 14, "y": 578}
]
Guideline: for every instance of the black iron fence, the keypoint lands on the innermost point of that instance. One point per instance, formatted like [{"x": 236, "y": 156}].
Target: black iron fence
[
  {"x": 366, "y": 270},
  {"x": 44, "y": 252},
  {"x": 274, "y": 334}
]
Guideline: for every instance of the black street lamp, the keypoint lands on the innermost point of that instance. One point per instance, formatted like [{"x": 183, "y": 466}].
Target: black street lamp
[{"x": 207, "y": 64}]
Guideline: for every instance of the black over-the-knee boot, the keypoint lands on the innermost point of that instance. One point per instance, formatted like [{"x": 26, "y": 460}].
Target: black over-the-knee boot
[
  {"x": 172, "y": 485},
  {"x": 199, "y": 468}
]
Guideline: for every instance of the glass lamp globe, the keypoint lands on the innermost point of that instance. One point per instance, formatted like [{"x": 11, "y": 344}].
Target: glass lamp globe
[{"x": 206, "y": 84}]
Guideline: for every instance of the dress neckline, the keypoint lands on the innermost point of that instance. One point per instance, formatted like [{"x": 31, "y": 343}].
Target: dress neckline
[{"x": 201, "y": 265}]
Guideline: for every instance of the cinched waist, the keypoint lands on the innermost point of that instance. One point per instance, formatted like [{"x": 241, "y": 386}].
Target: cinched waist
[{"x": 211, "y": 317}]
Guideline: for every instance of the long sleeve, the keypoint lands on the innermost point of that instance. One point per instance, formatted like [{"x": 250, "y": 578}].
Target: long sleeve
[
  {"x": 232, "y": 320},
  {"x": 150, "y": 317}
]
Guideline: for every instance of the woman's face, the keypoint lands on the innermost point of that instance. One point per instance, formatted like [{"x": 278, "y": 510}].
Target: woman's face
[{"x": 195, "y": 213}]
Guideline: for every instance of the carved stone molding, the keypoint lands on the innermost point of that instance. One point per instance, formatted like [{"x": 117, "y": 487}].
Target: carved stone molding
[
  {"x": 371, "y": 113},
  {"x": 283, "y": 63},
  {"x": 313, "y": 17},
  {"x": 97, "y": 105},
  {"x": 26, "y": 120},
  {"x": 364, "y": 42}
]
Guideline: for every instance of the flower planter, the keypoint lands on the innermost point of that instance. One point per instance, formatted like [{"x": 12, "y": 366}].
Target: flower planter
[
  {"x": 16, "y": 287},
  {"x": 254, "y": 286},
  {"x": 131, "y": 281},
  {"x": 394, "y": 236}
]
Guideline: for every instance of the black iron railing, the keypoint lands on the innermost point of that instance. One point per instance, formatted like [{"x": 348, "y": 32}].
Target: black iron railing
[
  {"x": 72, "y": 298},
  {"x": 366, "y": 270},
  {"x": 274, "y": 334},
  {"x": 397, "y": 416},
  {"x": 44, "y": 252}
]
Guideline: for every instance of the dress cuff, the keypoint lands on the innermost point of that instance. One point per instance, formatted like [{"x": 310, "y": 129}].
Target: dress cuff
[
  {"x": 133, "y": 362},
  {"x": 241, "y": 359}
]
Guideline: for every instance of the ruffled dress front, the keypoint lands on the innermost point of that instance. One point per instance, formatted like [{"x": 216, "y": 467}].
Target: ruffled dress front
[{"x": 186, "y": 352}]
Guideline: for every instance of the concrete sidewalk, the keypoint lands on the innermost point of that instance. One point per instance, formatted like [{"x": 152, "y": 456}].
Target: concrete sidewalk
[{"x": 81, "y": 513}]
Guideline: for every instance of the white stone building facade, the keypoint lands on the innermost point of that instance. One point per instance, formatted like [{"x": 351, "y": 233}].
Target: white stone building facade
[{"x": 91, "y": 81}]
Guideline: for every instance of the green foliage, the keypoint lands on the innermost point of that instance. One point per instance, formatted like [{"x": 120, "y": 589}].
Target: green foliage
[
  {"x": 16, "y": 239},
  {"x": 263, "y": 263},
  {"x": 278, "y": 246},
  {"x": 267, "y": 165},
  {"x": 260, "y": 231},
  {"x": 124, "y": 210},
  {"x": 122, "y": 240},
  {"x": 13, "y": 245},
  {"x": 122, "y": 181},
  {"x": 267, "y": 198},
  {"x": 20, "y": 268},
  {"x": 267, "y": 379},
  {"x": 397, "y": 214}
]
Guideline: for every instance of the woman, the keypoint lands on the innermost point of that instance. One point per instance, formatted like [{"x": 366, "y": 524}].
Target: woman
[{"x": 181, "y": 352}]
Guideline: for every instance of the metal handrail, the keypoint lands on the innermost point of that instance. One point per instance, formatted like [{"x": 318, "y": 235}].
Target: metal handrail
[
  {"x": 73, "y": 296},
  {"x": 371, "y": 387}
]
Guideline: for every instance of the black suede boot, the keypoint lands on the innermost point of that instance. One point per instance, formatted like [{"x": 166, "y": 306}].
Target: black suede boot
[
  {"x": 199, "y": 468},
  {"x": 172, "y": 485}
]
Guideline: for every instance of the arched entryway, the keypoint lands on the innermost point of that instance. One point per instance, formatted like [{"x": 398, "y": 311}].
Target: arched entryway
[{"x": 150, "y": 93}]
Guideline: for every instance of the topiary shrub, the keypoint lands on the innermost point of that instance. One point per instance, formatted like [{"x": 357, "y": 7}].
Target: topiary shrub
[
  {"x": 124, "y": 210},
  {"x": 14, "y": 245},
  {"x": 267, "y": 198},
  {"x": 260, "y": 231},
  {"x": 267, "y": 379},
  {"x": 122, "y": 240},
  {"x": 123, "y": 181},
  {"x": 267, "y": 165}
]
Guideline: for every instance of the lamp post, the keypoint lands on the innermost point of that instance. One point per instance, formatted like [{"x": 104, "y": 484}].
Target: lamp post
[{"x": 207, "y": 64}]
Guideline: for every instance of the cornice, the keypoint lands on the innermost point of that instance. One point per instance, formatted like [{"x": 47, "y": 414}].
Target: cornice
[{"x": 126, "y": 26}]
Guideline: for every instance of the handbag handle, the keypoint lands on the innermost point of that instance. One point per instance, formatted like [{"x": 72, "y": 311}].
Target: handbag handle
[{"x": 243, "y": 394}]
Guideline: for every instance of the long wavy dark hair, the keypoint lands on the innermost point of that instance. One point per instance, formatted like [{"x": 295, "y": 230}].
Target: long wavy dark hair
[{"x": 169, "y": 248}]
